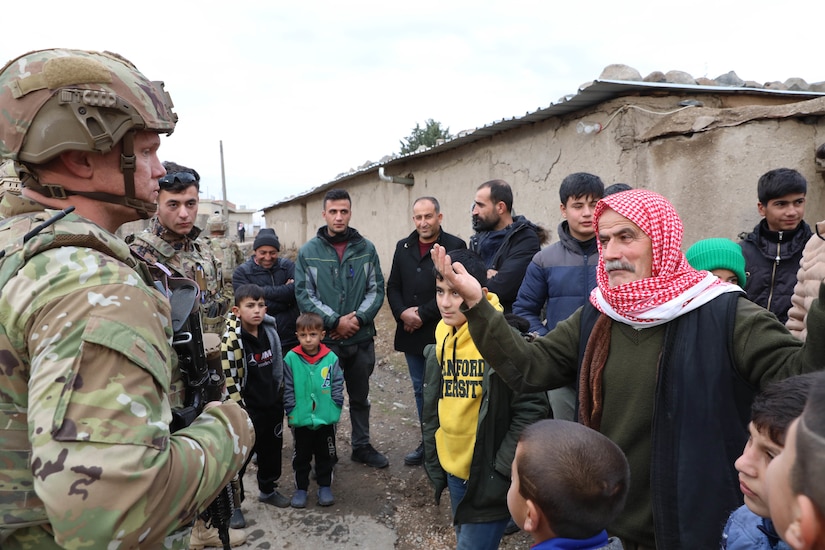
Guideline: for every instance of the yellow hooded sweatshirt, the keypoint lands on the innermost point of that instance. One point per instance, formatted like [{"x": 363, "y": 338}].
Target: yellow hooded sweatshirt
[{"x": 462, "y": 372}]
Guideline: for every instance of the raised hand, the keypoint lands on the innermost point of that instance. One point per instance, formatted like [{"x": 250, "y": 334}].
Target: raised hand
[{"x": 456, "y": 276}]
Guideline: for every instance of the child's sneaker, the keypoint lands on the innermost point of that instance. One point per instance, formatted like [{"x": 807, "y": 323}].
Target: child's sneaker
[
  {"x": 325, "y": 497},
  {"x": 299, "y": 499}
]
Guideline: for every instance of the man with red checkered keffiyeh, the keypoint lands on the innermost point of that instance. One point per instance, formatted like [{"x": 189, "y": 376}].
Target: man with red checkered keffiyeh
[
  {"x": 663, "y": 287},
  {"x": 666, "y": 360}
]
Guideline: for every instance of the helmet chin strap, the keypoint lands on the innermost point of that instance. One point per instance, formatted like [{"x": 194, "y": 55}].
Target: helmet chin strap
[
  {"x": 127, "y": 165},
  {"x": 145, "y": 210}
]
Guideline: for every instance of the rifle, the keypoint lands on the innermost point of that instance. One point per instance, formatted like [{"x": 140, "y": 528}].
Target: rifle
[{"x": 203, "y": 379}]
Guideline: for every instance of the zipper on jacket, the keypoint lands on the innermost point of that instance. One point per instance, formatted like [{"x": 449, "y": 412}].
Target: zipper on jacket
[{"x": 773, "y": 269}]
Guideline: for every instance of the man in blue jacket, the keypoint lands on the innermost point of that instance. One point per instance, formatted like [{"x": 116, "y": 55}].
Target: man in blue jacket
[
  {"x": 338, "y": 276},
  {"x": 560, "y": 277}
]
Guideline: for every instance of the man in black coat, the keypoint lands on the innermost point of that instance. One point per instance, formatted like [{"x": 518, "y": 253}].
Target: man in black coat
[{"x": 411, "y": 294}]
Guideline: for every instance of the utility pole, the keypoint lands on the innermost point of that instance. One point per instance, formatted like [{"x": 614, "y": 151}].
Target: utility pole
[{"x": 225, "y": 210}]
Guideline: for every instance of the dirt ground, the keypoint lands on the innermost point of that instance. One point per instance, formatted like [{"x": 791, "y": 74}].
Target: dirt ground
[{"x": 398, "y": 499}]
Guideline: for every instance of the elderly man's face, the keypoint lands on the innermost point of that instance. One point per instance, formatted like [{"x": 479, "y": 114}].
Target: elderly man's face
[{"x": 626, "y": 249}]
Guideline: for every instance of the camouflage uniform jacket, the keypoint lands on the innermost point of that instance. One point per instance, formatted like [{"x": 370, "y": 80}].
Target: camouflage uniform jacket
[
  {"x": 184, "y": 256},
  {"x": 87, "y": 457},
  {"x": 227, "y": 253}
]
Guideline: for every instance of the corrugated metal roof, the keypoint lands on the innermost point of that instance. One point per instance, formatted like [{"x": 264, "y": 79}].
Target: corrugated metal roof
[{"x": 597, "y": 92}]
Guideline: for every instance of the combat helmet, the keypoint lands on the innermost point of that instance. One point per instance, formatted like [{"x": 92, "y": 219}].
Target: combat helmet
[
  {"x": 58, "y": 100},
  {"x": 216, "y": 223}
]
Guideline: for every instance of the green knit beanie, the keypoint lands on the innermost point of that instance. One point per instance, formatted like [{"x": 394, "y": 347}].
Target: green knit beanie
[{"x": 709, "y": 254}]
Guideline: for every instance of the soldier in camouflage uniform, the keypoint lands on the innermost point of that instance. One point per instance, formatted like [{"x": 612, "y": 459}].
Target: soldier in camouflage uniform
[
  {"x": 172, "y": 241},
  {"x": 224, "y": 249},
  {"x": 87, "y": 459}
]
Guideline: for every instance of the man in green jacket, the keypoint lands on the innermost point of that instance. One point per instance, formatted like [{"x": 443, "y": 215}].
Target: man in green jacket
[
  {"x": 338, "y": 276},
  {"x": 667, "y": 360}
]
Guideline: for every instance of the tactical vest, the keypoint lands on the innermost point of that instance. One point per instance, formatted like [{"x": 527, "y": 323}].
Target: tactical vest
[
  {"x": 19, "y": 504},
  {"x": 225, "y": 252},
  {"x": 197, "y": 264}
]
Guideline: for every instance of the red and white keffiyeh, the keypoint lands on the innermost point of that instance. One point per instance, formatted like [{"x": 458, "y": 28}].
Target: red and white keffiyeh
[{"x": 674, "y": 287}]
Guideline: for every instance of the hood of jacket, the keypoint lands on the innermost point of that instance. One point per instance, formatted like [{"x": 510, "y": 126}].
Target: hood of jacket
[
  {"x": 571, "y": 243},
  {"x": 323, "y": 351}
]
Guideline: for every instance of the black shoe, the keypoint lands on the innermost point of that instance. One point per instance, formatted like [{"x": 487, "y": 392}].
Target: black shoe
[
  {"x": 415, "y": 458},
  {"x": 237, "y": 521},
  {"x": 511, "y": 527},
  {"x": 369, "y": 456},
  {"x": 275, "y": 499}
]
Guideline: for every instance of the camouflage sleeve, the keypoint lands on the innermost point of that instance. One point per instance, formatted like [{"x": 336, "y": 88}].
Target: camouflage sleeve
[
  {"x": 239, "y": 257},
  {"x": 104, "y": 462}
]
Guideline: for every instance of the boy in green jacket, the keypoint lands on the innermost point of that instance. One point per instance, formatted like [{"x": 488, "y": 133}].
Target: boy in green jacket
[
  {"x": 313, "y": 397},
  {"x": 471, "y": 421}
]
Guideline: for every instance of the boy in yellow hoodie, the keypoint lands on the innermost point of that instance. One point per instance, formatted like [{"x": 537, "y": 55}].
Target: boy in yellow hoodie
[{"x": 471, "y": 420}]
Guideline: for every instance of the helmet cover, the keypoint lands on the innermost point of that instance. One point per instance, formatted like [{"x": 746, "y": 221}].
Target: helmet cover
[
  {"x": 59, "y": 100},
  {"x": 216, "y": 222}
]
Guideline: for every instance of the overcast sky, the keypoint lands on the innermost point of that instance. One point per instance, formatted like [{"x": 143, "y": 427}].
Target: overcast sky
[{"x": 300, "y": 92}]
